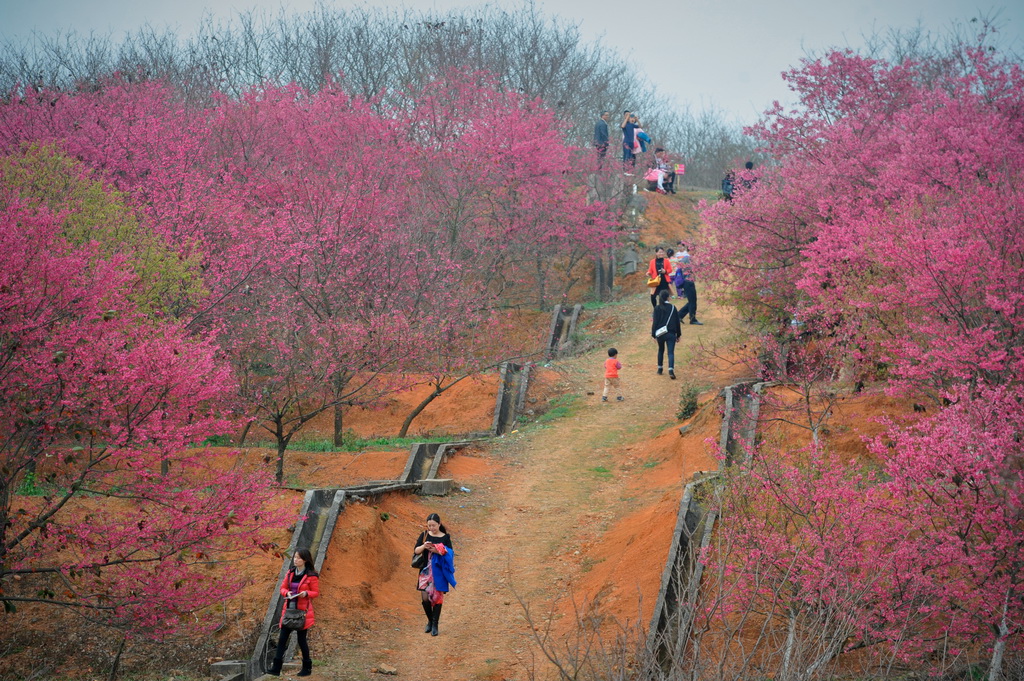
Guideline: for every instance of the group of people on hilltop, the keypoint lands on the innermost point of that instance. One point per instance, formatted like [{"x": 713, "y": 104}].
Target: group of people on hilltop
[{"x": 660, "y": 175}]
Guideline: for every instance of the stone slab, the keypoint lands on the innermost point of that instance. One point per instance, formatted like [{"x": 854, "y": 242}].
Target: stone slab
[
  {"x": 228, "y": 667},
  {"x": 437, "y": 487}
]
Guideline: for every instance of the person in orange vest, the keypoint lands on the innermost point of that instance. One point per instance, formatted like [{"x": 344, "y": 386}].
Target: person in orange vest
[{"x": 611, "y": 375}]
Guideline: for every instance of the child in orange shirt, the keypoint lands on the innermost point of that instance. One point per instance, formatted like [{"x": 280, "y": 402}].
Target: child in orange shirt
[{"x": 611, "y": 375}]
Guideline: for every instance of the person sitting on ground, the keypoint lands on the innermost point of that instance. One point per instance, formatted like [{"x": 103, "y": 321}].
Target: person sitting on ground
[
  {"x": 665, "y": 163},
  {"x": 661, "y": 177}
]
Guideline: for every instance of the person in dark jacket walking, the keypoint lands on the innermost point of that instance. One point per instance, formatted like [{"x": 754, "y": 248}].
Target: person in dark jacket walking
[{"x": 666, "y": 330}]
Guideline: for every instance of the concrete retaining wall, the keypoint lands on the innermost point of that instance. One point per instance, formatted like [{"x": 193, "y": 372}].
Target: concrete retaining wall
[
  {"x": 695, "y": 521},
  {"x": 681, "y": 575},
  {"x": 739, "y": 419},
  {"x": 563, "y": 325},
  {"x": 513, "y": 382}
]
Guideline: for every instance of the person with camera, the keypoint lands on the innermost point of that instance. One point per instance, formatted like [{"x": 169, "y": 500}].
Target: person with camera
[
  {"x": 299, "y": 587},
  {"x": 437, "y": 574},
  {"x": 628, "y": 127}
]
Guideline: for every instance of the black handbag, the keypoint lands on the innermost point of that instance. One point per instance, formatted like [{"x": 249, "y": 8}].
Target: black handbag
[
  {"x": 419, "y": 560},
  {"x": 294, "y": 619}
]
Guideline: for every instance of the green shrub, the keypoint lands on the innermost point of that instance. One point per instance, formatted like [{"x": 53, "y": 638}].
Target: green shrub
[
  {"x": 29, "y": 487},
  {"x": 688, "y": 404}
]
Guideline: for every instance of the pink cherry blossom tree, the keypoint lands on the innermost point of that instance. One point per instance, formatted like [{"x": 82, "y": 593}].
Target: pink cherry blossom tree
[
  {"x": 103, "y": 506},
  {"x": 887, "y": 229}
]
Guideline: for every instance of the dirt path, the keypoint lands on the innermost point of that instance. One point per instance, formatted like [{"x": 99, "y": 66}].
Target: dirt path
[{"x": 553, "y": 495}]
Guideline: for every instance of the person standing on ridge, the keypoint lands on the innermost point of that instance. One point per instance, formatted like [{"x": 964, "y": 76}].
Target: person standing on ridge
[
  {"x": 628, "y": 127},
  {"x": 601, "y": 136}
]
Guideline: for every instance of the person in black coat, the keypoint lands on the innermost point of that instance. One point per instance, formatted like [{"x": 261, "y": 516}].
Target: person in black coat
[
  {"x": 666, "y": 316},
  {"x": 601, "y": 136}
]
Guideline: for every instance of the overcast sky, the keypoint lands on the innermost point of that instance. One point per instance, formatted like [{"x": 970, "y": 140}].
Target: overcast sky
[{"x": 728, "y": 53}]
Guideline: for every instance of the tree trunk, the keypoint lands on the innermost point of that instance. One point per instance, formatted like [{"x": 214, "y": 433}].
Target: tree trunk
[
  {"x": 117, "y": 659},
  {"x": 338, "y": 381},
  {"x": 831, "y": 651},
  {"x": 339, "y": 425},
  {"x": 282, "y": 444},
  {"x": 787, "y": 656},
  {"x": 542, "y": 293},
  {"x": 609, "y": 277},
  {"x": 995, "y": 669},
  {"x": 416, "y": 412},
  {"x": 245, "y": 434}
]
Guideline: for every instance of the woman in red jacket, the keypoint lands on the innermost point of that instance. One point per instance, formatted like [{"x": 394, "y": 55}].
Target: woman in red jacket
[
  {"x": 660, "y": 267},
  {"x": 300, "y": 585}
]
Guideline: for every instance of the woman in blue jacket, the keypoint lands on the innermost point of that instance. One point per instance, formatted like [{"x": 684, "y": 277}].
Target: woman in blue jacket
[{"x": 438, "y": 575}]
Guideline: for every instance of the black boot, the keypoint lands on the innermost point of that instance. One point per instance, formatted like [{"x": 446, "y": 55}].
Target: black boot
[
  {"x": 430, "y": 616},
  {"x": 307, "y": 668},
  {"x": 275, "y": 667},
  {"x": 434, "y": 619}
]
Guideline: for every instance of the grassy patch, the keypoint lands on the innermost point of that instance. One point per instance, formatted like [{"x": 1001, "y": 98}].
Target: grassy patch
[
  {"x": 601, "y": 472},
  {"x": 351, "y": 443},
  {"x": 30, "y": 486},
  {"x": 601, "y": 304},
  {"x": 560, "y": 407}
]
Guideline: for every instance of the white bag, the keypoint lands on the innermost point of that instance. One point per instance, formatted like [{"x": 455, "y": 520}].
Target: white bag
[{"x": 659, "y": 332}]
